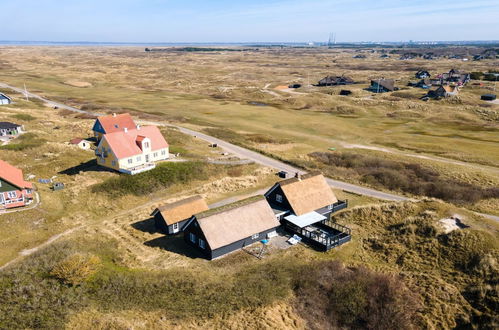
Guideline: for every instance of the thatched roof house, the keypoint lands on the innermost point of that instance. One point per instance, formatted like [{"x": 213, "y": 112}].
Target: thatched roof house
[
  {"x": 222, "y": 230},
  {"x": 382, "y": 85},
  {"x": 335, "y": 81},
  {"x": 304, "y": 205},
  {"x": 170, "y": 218}
]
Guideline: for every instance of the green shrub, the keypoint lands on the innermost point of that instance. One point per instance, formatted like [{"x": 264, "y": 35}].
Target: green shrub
[
  {"x": 24, "y": 116},
  {"x": 163, "y": 176},
  {"x": 23, "y": 142}
]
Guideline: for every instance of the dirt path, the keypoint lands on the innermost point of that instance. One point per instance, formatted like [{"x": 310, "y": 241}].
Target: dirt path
[{"x": 27, "y": 252}]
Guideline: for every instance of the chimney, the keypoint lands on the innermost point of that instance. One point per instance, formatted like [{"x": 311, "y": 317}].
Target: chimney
[
  {"x": 126, "y": 130},
  {"x": 298, "y": 176},
  {"x": 114, "y": 114},
  {"x": 138, "y": 127}
]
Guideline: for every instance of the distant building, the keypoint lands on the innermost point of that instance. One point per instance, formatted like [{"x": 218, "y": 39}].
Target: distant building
[
  {"x": 488, "y": 97},
  {"x": 4, "y": 99},
  {"x": 14, "y": 191},
  {"x": 112, "y": 123},
  {"x": 443, "y": 91},
  {"x": 10, "y": 129},
  {"x": 335, "y": 81},
  {"x": 382, "y": 85},
  {"x": 81, "y": 143},
  {"x": 171, "y": 218},
  {"x": 222, "y": 230},
  {"x": 422, "y": 74}
]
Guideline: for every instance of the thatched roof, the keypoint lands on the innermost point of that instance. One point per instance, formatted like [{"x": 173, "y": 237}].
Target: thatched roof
[
  {"x": 182, "y": 209},
  {"x": 389, "y": 84},
  {"x": 308, "y": 193},
  {"x": 231, "y": 223}
]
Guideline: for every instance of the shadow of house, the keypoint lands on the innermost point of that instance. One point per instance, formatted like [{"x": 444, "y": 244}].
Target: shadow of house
[
  {"x": 146, "y": 226},
  {"x": 90, "y": 166},
  {"x": 175, "y": 244}
]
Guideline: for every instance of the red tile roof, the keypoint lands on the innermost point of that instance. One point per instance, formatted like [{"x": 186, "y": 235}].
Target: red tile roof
[
  {"x": 114, "y": 123},
  {"x": 75, "y": 141},
  {"x": 13, "y": 175},
  {"x": 124, "y": 144}
]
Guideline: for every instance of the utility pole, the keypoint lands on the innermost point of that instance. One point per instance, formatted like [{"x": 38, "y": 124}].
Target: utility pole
[{"x": 26, "y": 92}]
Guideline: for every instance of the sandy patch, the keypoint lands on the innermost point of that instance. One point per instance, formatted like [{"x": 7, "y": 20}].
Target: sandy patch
[
  {"x": 76, "y": 83},
  {"x": 452, "y": 223}
]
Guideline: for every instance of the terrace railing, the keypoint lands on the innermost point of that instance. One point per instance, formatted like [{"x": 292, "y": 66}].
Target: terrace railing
[{"x": 339, "y": 205}]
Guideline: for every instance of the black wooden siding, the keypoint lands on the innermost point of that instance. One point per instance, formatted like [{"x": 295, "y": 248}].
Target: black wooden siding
[
  {"x": 210, "y": 254},
  {"x": 161, "y": 226}
]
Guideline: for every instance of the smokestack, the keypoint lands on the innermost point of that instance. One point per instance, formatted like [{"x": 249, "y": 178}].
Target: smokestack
[
  {"x": 298, "y": 175},
  {"x": 126, "y": 130},
  {"x": 114, "y": 114},
  {"x": 138, "y": 127}
]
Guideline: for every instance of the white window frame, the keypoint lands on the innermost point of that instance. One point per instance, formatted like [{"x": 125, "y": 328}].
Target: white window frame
[
  {"x": 139, "y": 158},
  {"x": 330, "y": 207},
  {"x": 175, "y": 227},
  {"x": 278, "y": 198},
  {"x": 255, "y": 236},
  {"x": 155, "y": 154},
  {"x": 163, "y": 152},
  {"x": 11, "y": 194},
  {"x": 202, "y": 244},
  {"x": 130, "y": 161}
]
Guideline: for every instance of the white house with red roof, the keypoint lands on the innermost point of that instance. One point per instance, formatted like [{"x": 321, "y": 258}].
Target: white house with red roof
[
  {"x": 112, "y": 123},
  {"x": 14, "y": 191},
  {"x": 132, "y": 151}
]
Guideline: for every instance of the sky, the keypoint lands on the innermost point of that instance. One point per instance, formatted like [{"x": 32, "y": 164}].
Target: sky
[{"x": 248, "y": 21}]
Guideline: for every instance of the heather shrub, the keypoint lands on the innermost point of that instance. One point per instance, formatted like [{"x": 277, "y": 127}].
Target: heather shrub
[{"x": 76, "y": 269}]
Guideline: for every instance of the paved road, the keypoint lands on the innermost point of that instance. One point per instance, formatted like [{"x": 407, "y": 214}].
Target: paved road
[{"x": 248, "y": 154}]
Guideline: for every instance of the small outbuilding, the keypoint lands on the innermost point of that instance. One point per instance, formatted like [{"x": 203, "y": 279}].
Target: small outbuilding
[
  {"x": 4, "y": 99},
  {"x": 488, "y": 97},
  {"x": 81, "y": 143},
  {"x": 171, "y": 218},
  {"x": 228, "y": 228}
]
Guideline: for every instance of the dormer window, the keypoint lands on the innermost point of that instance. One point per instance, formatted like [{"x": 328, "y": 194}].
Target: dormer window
[{"x": 146, "y": 145}]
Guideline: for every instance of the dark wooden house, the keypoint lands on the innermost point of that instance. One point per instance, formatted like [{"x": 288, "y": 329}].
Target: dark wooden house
[
  {"x": 443, "y": 91},
  {"x": 335, "y": 81},
  {"x": 422, "y": 74},
  {"x": 382, "y": 85},
  {"x": 171, "y": 218},
  {"x": 304, "y": 205},
  {"x": 228, "y": 228}
]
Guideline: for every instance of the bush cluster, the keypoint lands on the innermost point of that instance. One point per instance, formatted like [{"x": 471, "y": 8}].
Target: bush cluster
[
  {"x": 76, "y": 269},
  {"x": 163, "y": 176},
  {"x": 23, "y": 142},
  {"x": 332, "y": 296},
  {"x": 407, "y": 177}
]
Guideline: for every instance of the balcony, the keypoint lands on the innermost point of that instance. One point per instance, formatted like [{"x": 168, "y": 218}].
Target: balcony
[{"x": 138, "y": 169}]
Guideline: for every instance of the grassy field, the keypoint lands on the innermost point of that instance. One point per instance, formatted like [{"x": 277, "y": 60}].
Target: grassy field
[{"x": 400, "y": 261}]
